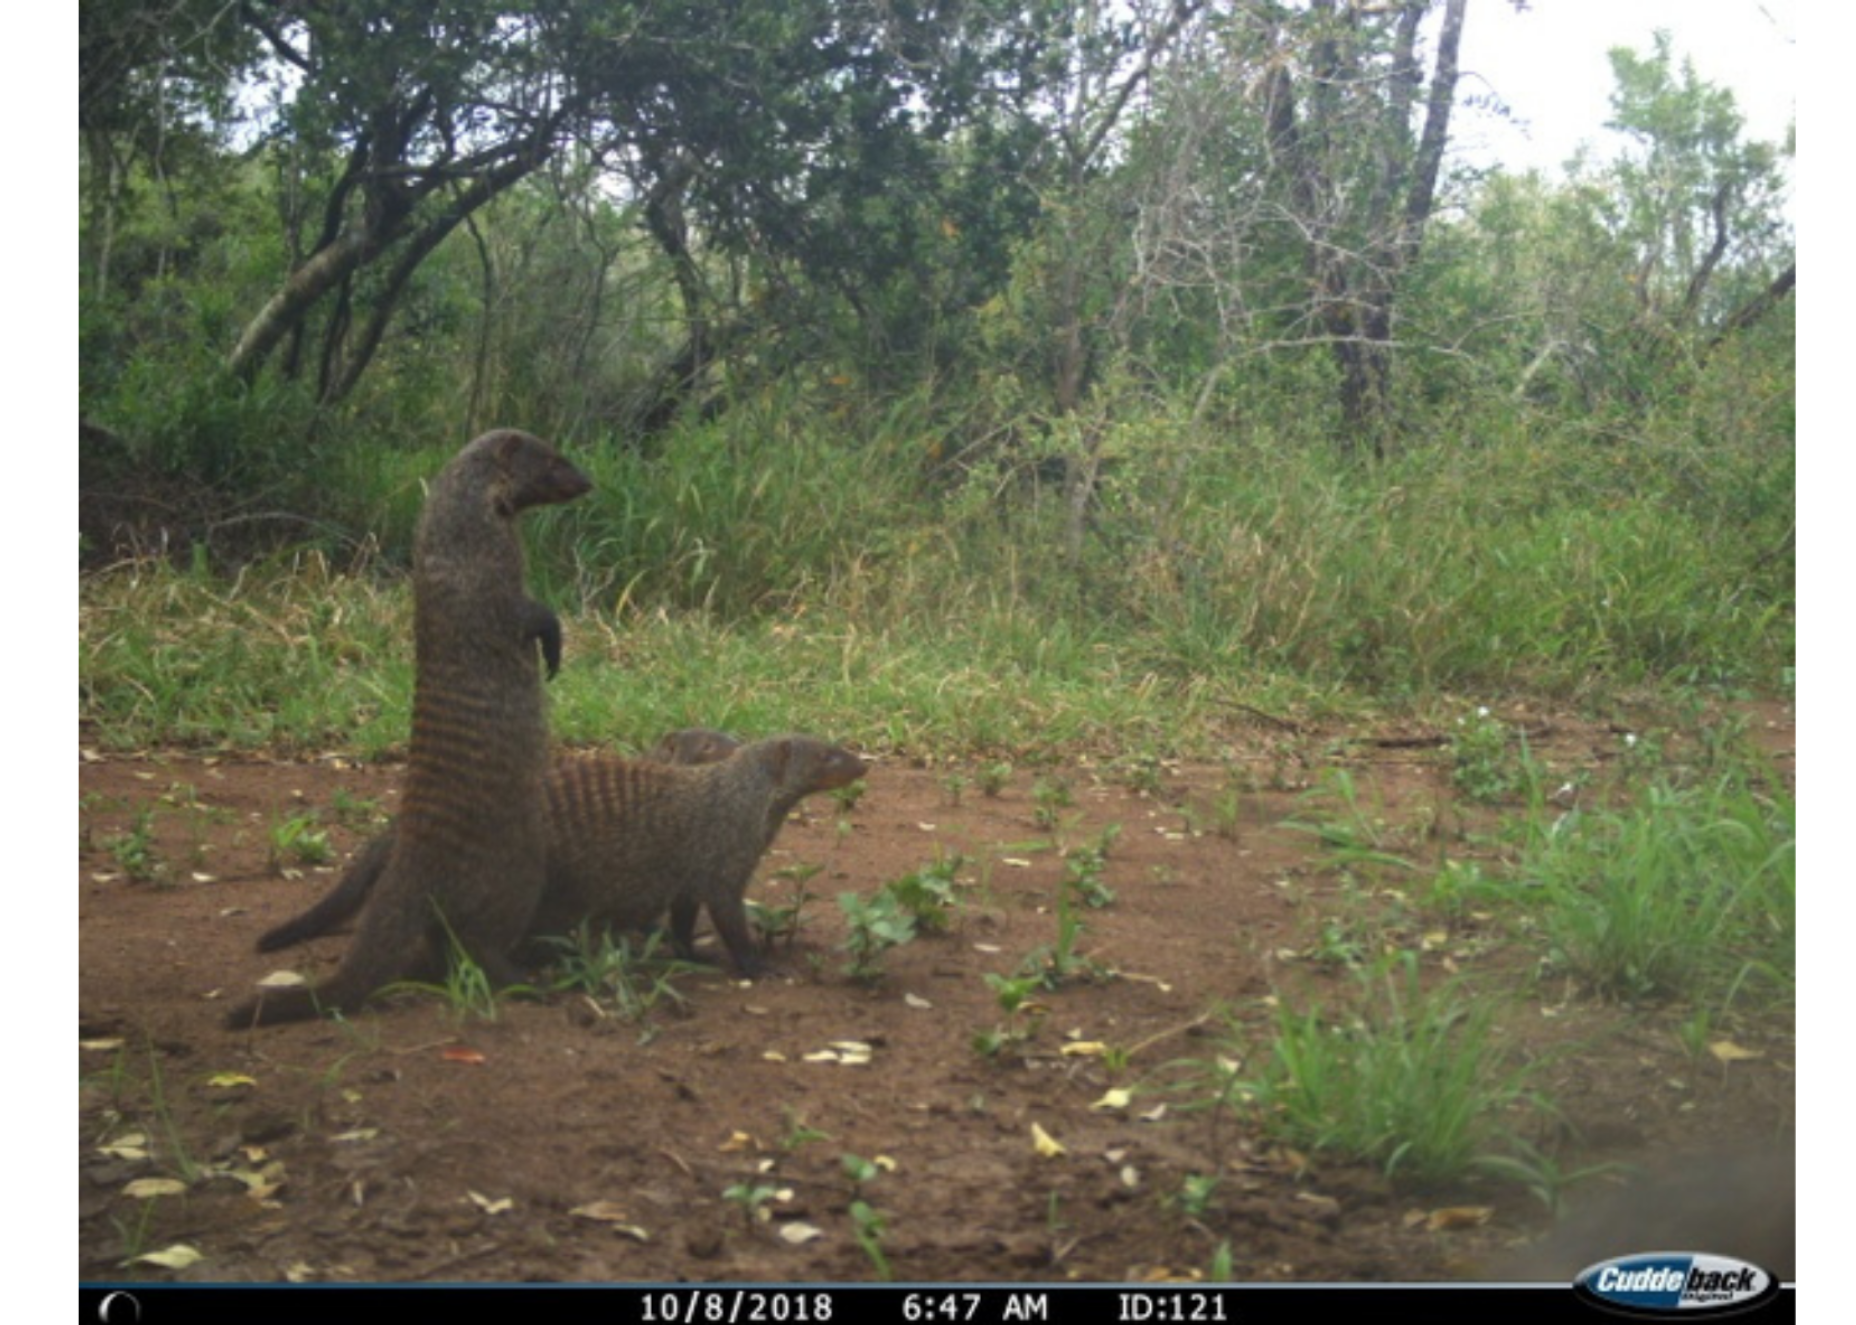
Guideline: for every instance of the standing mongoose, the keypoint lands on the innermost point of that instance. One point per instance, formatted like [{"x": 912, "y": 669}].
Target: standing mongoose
[
  {"x": 467, "y": 861},
  {"x": 630, "y": 838},
  {"x": 688, "y": 745}
]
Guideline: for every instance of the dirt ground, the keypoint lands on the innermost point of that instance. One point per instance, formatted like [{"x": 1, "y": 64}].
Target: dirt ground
[{"x": 703, "y": 1137}]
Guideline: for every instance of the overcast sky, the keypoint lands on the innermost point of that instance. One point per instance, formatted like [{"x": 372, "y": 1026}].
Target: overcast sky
[{"x": 1549, "y": 66}]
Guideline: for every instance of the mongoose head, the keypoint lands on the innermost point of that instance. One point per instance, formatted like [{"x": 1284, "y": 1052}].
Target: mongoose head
[
  {"x": 528, "y": 471},
  {"x": 810, "y": 764}
]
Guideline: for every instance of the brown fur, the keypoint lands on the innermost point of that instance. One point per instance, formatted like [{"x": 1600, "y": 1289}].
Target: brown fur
[
  {"x": 689, "y": 745},
  {"x": 632, "y": 839},
  {"x": 467, "y": 859},
  {"x": 694, "y": 745}
]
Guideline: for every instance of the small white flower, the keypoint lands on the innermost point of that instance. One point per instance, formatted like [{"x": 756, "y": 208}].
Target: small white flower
[
  {"x": 1630, "y": 738},
  {"x": 1482, "y": 711}
]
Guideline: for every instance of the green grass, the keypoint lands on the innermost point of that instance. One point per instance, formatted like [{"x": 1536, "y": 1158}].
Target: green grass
[
  {"x": 1687, "y": 892},
  {"x": 769, "y": 570},
  {"x": 1410, "y": 1079}
]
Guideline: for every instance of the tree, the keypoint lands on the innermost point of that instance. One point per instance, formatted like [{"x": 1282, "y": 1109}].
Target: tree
[
  {"x": 1700, "y": 208},
  {"x": 1357, "y": 176}
]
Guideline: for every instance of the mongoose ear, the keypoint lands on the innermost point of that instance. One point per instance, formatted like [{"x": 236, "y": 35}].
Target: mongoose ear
[{"x": 507, "y": 445}]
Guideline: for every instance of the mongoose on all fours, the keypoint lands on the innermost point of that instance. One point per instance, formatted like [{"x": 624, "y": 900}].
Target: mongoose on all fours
[
  {"x": 629, "y": 839},
  {"x": 466, "y": 863},
  {"x": 688, "y": 745}
]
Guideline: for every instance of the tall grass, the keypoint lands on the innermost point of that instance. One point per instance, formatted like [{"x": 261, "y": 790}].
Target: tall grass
[
  {"x": 776, "y": 566},
  {"x": 1687, "y": 893},
  {"x": 1410, "y": 1079}
]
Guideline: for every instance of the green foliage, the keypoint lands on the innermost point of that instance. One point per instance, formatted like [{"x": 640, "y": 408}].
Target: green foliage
[
  {"x": 928, "y": 894},
  {"x": 299, "y": 839},
  {"x": 606, "y": 968},
  {"x": 134, "y": 849},
  {"x": 1689, "y": 892},
  {"x": 868, "y": 1224},
  {"x": 1484, "y": 766},
  {"x": 877, "y": 924},
  {"x": 1411, "y": 1081},
  {"x": 782, "y": 922}
]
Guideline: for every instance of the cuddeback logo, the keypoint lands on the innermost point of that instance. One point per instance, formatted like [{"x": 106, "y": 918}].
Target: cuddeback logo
[{"x": 1660, "y": 1283}]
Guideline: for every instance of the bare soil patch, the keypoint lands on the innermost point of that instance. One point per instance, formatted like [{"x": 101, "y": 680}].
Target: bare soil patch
[{"x": 563, "y": 1142}]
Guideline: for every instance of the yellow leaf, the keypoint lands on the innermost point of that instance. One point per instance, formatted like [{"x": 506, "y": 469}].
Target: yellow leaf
[
  {"x": 1083, "y": 1049},
  {"x": 1459, "y": 1216},
  {"x": 143, "y": 1189},
  {"x": 177, "y": 1257},
  {"x": 1117, "y": 1098},
  {"x": 488, "y": 1206},
  {"x": 1728, "y": 1052},
  {"x": 738, "y": 1141},
  {"x": 1047, "y": 1146},
  {"x": 226, "y": 1080}
]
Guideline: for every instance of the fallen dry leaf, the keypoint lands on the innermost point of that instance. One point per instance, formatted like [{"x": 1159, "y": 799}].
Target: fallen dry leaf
[
  {"x": 1046, "y": 1145},
  {"x": 459, "y": 1053},
  {"x": 488, "y": 1206},
  {"x": 226, "y": 1080},
  {"x": 130, "y": 1145},
  {"x": 177, "y": 1257},
  {"x": 1459, "y": 1216},
  {"x": 1117, "y": 1098},
  {"x": 143, "y": 1189},
  {"x": 1726, "y": 1051}
]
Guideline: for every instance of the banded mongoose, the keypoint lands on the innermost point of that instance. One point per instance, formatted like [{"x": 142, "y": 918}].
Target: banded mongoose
[
  {"x": 688, "y": 745},
  {"x": 630, "y": 839},
  {"x": 466, "y": 863}
]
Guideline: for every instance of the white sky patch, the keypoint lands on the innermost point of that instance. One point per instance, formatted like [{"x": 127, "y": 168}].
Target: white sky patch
[{"x": 1549, "y": 66}]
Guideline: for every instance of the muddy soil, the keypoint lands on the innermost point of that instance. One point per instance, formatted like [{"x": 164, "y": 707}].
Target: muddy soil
[{"x": 698, "y": 1130}]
